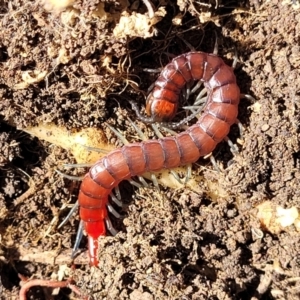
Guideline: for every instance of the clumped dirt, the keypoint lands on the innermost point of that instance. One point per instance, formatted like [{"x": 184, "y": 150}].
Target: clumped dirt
[{"x": 71, "y": 68}]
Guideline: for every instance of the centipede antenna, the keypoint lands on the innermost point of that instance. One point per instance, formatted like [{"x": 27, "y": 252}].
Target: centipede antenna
[
  {"x": 142, "y": 136},
  {"x": 120, "y": 136},
  {"x": 69, "y": 215},
  {"x": 188, "y": 174},
  {"x": 143, "y": 181},
  {"x": 233, "y": 148},
  {"x": 71, "y": 166},
  {"x": 113, "y": 211},
  {"x": 115, "y": 199},
  {"x": 78, "y": 239},
  {"x": 76, "y": 178},
  {"x": 118, "y": 193},
  {"x": 154, "y": 180},
  {"x": 95, "y": 149},
  {"x": 148, "y": 120},
  {"x": 134, "y": 183},
  {"x": 110, "y": 227}
]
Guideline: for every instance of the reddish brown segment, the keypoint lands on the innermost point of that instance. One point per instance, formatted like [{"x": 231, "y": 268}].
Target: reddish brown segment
[{"x": 219, "y": 114}]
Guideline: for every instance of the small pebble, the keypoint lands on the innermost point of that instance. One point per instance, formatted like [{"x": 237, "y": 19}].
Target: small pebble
[{"x": 265, "y": 127}]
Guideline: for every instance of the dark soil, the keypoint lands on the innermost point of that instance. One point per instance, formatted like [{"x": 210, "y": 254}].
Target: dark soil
[{"x": 67, "y": 68}]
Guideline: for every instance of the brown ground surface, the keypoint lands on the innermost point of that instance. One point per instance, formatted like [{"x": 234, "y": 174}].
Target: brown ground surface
[{"x": 69, "y": 69}]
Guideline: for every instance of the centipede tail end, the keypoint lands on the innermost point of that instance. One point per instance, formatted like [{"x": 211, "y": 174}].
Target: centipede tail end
[{"x": 93, "y": 247}]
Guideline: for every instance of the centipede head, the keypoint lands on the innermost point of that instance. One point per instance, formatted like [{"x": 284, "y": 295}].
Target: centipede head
[{"x": 161, "y": 110}]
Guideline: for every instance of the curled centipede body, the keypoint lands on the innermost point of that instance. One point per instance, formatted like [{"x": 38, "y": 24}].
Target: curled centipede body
[{"x": 219, "y": 113}]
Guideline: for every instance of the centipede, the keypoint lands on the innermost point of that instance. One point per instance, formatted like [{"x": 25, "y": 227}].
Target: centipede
[{"x": 219, "y": 114}]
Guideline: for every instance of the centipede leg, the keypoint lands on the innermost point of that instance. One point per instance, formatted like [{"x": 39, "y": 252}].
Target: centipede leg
[
  {"x": 175, "y": 174},
  {"x": 200, "y": 99},
  {"x": 113, "y": 211},
  {"x": 187, "y": 43},
  {"x": 141, "y": 135},
  {"x": 149, "y": 70},
  {"x": 95, "y": 149},
  {"x": 69, "y": 215},
  {"x": 119, "y": 135},
  {"x": 134, "y": 183},
  {"x": 188, "y": 173},
  {"x": 239, "y": 124},
  {"x": 118, "y": 193},
  {"x": 241, "y": 128},
  {"x": 196, "y": 108},
  {"x": 148, "y": 120},
  {"x": 115, "y": 199},
  {"x": 216, "y": 46},
  {"x": 150, "y": 8},
  {"x": 233, "y": 148},
  {"x": 160, "y": 135},
  {"x": 85, "y": 165},
  {"x": 214, "y": 163},
  {"x": 197, "y": 87},
  {"x": 76, "y": 178},
  {"x": 78, "y": 239},
  {"x": 235, "y": 60},
  {"x": 190, "y": 89},
  {"x": 156, "y": 131},
  {"x": 155, "y": 182},
  {"x": 125, "y": 142},
  {"x": 183, "y": 121},
  {"x": 247, "y": 96},
  {"x": 169, "y": 130},
  {"x": 143, "y": 181},
  {"x": 110, "y": 227}
]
